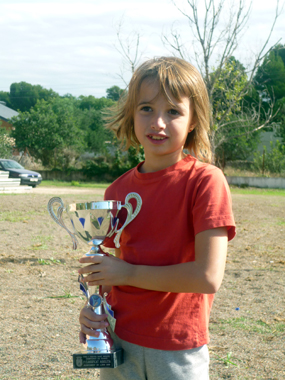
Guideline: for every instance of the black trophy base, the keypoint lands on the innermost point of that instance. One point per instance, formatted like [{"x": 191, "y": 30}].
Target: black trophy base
[{"x": 110, "y": 360}]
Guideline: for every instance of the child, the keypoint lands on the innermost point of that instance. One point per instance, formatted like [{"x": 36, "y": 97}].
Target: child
[{"x": 172, "y": 255}]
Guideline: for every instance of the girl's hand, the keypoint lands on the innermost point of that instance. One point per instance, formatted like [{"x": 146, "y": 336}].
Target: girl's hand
[
  {"x": 90, "y": 322},
  {"x": 106, "y": 270}
]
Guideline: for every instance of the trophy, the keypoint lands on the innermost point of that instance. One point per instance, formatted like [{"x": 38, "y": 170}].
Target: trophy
[{"x": 92, "y": 222}]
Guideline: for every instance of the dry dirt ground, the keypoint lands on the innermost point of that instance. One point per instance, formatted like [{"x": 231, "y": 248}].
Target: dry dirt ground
[{"x": 40, "y": 299}]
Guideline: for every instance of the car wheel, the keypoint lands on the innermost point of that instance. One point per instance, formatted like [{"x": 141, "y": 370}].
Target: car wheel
[{"x": 33, "y": 186}]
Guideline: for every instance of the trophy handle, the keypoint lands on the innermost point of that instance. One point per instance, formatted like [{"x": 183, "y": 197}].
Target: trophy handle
[
  {"x": 58, "y": 218},
  {"x": 131, "y": 214}
]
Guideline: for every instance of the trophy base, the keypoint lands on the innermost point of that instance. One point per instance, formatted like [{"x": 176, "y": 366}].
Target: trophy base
[{"x": 96, "y": 360}]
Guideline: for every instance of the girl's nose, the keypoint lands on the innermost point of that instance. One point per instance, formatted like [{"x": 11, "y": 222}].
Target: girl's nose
[{"x": 158, "y": 123}]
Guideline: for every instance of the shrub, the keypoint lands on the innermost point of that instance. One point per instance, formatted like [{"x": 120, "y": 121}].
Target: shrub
[
  {"x": 273, "y": 161},
  {"x": 111, "y": 167},
  {"x": 6, "y": 144}
]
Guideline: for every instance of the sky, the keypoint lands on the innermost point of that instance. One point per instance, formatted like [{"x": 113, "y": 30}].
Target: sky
[{"x": 72, "y": 46}]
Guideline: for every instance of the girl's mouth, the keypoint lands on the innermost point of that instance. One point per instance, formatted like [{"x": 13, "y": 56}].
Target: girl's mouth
[{"x": 156, "y": 137}]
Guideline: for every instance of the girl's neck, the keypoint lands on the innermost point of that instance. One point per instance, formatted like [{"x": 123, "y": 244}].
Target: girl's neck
[{"x": 151, "y": 165}]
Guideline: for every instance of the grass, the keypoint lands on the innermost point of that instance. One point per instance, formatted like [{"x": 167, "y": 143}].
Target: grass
[
  {"x": 43, "y": 262},
  {"x": 234, "y": 189},
  {"x": 41, "y": 238},
  {"x": 65, "y": 378},
  {"x": 39, "y": 246},
  {"x": 226, "y": 359},
  {"x": 235, "y": 172},
  {"x": 251, "y": 325},
  {"x": 18, "y": 216},
  {"x": 13, "y": 216},
  {"x": 74, "y": 184},
  {"x": 257, "y": 191},
  {"x": 64, "y": 296},
  {"x": 40, "y": 242},
  {"x": 49, "y": 261}
]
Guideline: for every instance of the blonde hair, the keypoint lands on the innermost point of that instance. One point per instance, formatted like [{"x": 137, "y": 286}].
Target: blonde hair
[{"x": 180, "y": 78}]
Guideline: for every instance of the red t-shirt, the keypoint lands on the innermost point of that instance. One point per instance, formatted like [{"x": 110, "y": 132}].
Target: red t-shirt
[{"x": 177, "y": 203}]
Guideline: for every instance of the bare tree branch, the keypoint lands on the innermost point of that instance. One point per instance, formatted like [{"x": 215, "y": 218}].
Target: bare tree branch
[
  {"x": 218, "y": 38},
  {"x": 129, "y": 49}
]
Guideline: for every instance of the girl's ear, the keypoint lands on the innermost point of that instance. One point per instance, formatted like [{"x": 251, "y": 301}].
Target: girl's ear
[
  {"x": 192, "y": 127},
  {"x": 193, "y": 123}
]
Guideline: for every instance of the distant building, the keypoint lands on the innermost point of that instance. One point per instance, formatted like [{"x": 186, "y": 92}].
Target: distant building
[
  {"x": 5, "y": 114},
  {"x": 266, "y": 138}
]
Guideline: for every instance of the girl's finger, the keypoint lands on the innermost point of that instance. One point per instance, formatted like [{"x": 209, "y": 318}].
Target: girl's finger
[
  {"x": 82, "y": 337},
  {"x": 86, "y": 331},
  {"x": 88, "y": 269},
  {"x": 93, "y": 332},
  {"x": 99, "y": 324},
  {"x": 91, "y": 259},
  {"x": 93, "y": 277}
]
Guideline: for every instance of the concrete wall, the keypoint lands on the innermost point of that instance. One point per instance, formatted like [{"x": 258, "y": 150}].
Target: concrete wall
[
  {"x": 62, "y": 176},
  {"x": 57, "y": 175},
  {"x": 262, "y": 182}
]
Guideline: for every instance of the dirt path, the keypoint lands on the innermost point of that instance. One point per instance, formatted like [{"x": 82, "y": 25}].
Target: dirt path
[
  {"x": 40, "y": 299},
  {"x": 66, "y": 190}
]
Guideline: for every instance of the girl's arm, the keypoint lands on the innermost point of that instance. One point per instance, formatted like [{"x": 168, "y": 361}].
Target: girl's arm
[{"x": 204, "y": 275}]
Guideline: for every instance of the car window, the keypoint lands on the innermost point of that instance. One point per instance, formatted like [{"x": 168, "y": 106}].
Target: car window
[{"x": 11, "y": 165}]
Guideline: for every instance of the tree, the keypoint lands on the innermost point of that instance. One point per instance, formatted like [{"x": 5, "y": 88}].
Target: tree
[
  {"x": 96, "y": 135},
  {"x": 5, "y": 97},
  {"x": 6, "y": 143},
  {"x": 270, "y": 76},
  {"x": 91, "y": 120},
  {"x": 272, "y": 161},
  {"x": 227, "y": 91},
  {"x": 270, "y": 83},
  {"x": 281, "y": 52},
  {"x": 48, "y": 131},
  {"x": 88, "y": 102},
  {"x": 280, "y": 119},
  {"x": 215, "y": 40},
  {"x": 24, "y": 96},
  {"x": 232, "y": 126},
  {"x": 114, "y": 93},
  {"x": 128, "y": 47}
]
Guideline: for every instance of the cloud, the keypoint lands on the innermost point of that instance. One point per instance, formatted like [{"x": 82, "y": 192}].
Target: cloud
[{"x": 68, "y": 45}]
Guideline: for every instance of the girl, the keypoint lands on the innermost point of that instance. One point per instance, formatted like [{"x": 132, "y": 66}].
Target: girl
[{"x": 172, "y": 255}]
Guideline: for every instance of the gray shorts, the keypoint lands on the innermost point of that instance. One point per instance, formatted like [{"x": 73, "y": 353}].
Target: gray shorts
[{"x": 141, "y": 363}]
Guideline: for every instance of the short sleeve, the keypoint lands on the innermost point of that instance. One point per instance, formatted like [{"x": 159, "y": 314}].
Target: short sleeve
[{"x": 212, "y": 204}]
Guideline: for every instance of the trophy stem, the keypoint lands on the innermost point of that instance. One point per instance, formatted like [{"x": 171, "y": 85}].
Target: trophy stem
[{"x": 103, "y": 343}]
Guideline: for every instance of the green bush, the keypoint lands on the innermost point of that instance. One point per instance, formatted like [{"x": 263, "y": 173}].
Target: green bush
[
  {"x": 111, "y": 167},
  {"x": 93, "y": 169},
  {"x": 6, "y": 144},
  {"x": 273, "y": 161},
  {"x": 103, "y": 170}
]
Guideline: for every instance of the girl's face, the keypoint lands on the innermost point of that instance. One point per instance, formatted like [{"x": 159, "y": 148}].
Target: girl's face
[{"x": 161, "y": 128}]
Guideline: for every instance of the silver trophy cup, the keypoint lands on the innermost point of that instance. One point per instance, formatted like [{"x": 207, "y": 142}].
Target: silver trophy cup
[{"x": 92, "y": 222}]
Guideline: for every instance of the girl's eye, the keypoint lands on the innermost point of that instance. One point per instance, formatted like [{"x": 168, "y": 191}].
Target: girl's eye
[
  {"x": 146, "y": 109},
  {"x": 173, "y": 112}
]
